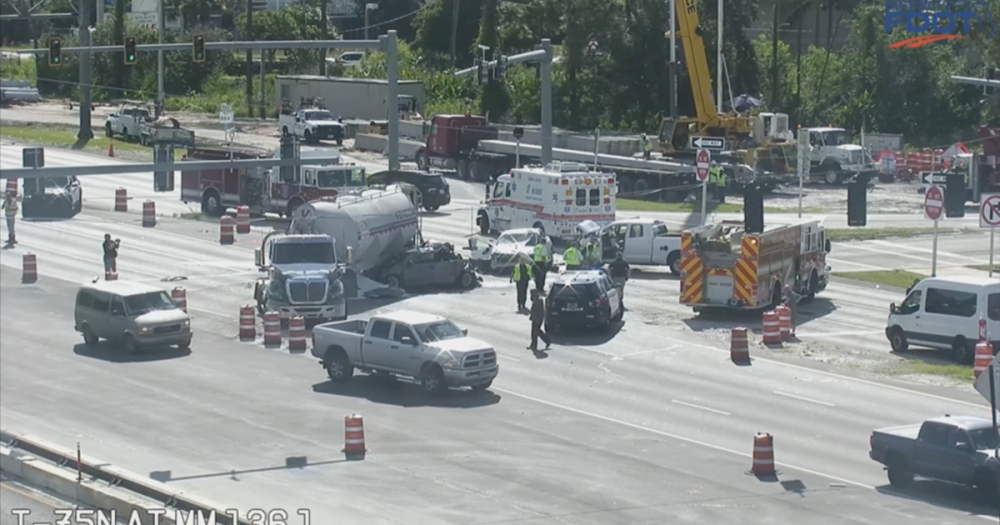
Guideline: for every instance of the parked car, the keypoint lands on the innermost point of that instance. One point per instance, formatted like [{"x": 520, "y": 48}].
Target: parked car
[
  {"x": 351, "y": 58},
  {"x": 434, "y": 189},
  {"x": 954, "y": 449},
  {"x": 131, "y": 314},
  {"x": 426, "y": 347},
  {"x": 428, "y": 266},
  {"x": 584, "y": 299}
]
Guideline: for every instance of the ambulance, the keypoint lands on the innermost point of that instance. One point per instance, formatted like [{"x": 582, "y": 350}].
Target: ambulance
[{"x": 554, "y": 198}]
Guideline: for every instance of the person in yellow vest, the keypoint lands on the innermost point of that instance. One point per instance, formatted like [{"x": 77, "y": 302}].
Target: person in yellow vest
[
  {"x": 521, "y": 276},
  {"x": 10, "y": 212},
  {"x": 540, "y": 257},
  {"x": 717, "y": 181},
  {"x": 647, "y": 146},
  {"x": 573, "y": 258},
  {"x": 592, "y": 253}
]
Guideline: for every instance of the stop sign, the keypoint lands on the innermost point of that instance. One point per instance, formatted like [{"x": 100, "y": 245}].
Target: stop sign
[
  {"x": 702, "y": 160},
  {"x": 934, "y": 203}
]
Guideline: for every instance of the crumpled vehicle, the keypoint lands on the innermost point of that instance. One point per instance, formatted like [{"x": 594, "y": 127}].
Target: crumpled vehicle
[{"x": 432, "y": 265}]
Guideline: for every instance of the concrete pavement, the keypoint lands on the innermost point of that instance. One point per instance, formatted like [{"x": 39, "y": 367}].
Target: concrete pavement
[{"x": 41, "y": 507}]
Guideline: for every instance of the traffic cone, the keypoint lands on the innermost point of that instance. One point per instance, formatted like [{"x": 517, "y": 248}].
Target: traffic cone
[{"x": 111, "y": 150}]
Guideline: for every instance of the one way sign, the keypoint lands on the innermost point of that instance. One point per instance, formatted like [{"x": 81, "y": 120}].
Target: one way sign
[
  {"x": 712, "y": 143},
  {"x": 929, "y": 178}
]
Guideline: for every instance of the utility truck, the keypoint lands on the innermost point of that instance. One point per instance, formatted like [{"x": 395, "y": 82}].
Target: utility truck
[
  {"x": 302, "y": 277},
  {"x": 833, "y": 158},
  {"x": 642, "y": 242},
  {"x": 128, "y": 120},
  {"x": 723, "y": 266},
  {"x": 311, "y": 122}
]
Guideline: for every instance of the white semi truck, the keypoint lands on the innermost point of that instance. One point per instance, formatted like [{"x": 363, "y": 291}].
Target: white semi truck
[{"x": 303, "y": 277}]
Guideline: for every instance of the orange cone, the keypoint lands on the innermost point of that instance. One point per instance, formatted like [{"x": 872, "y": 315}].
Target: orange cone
[
  {"x": 984, "y": 356},
  {"x": 111, "y": 150}
]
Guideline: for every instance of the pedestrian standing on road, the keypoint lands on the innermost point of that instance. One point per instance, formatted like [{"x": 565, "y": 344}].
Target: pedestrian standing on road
[
  {"x": 717, "y": 179},
  {"x": 10, "y": 213},
  {"x": 111, "y": 253},
  {"x": 792, "y": 302},
  {"x": 572, "y": 257},
  {"x": 619, "y": 271},
  {"x": 537, "y": 319},
  {"x": 521, "y": 276},
  {"x": 540, "y": 257}
]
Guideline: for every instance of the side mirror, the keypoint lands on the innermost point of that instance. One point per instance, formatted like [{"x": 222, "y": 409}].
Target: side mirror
[
  {"x": 829, "y": 246},
  {"x": 258, "y": 257},
  {"x": 465, "y": 331},
  {"x": 892, "y": 308}
]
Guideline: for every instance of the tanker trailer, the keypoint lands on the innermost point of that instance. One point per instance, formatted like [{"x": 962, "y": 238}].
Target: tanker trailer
[
  {"x": 303, "y": 277},
  {"x": 368, "y": 227}
]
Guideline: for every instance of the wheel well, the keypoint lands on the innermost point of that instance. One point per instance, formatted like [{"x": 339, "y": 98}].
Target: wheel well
[
  {"x": 333, "y": 351},
  {"x": 673, "y": 256},
  {"x": 428, "y": 366},
  {"x": 208, "y": 192},
  {"x": 540, "y": 226},
  {"x": 293, "y": 203}
]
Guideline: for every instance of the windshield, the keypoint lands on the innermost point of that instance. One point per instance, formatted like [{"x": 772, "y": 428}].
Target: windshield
[
  {"x": 56, "y": 182},
  {"x": 440, "y": 331},
  {"x": 514, "y": 238},
  {"x": 305, "y": 252},
  {"x": 340, "y": 178},
  {"x": 659, "y": 229},
  {"x": 318, "y": 115},
  {"x": 149, "y": 302},
  {"x": 985, "y": 438},
  {"x": 835, "y": 138}
]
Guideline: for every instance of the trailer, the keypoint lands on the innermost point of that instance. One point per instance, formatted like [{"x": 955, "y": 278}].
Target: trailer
[{"x": 350, "y": 98}]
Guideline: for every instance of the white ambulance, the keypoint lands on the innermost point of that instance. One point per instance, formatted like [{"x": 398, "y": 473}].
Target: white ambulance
[{"x": 554, "y": 198}]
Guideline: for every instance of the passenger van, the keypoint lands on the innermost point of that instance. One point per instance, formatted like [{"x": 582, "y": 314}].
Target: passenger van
[
  {"x": 947, "y": 313},
  {"x": 134, "y": 315}
]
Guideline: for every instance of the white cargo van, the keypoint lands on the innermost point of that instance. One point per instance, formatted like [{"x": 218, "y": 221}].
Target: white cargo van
[{"x": 947, "y": 313}]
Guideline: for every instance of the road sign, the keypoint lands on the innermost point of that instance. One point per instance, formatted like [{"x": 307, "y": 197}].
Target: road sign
[
  {"x": 934, "y": 203},
  {"x": 989, "y": 211},
  {"x": 712, "y": 143},
  {"x": 982, "y": 383},
  {"x": 703, "y": 159},
  {"x": 929, "y": 178},
  {"x": 226, "y": 114}
]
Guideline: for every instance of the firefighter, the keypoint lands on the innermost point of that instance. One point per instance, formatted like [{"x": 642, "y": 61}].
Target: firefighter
[
  {"x": 792, "y": 302},
  {"x": 537, "y": 319},
  {"x": 647, "y": 146},
  {"x": 717, "y": 179},
  {"x": 521, "y": 276},
  {"x": 10, "y": 212},
  {"x": 540, "y": 257},
  {"x": 572, "y": 258},
  {"x": 111, "y": 253}
]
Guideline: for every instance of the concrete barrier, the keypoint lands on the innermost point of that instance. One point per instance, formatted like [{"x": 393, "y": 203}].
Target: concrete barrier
[
  {"x": 379, "y": 143},
  {"x": 104, "y": 486}
]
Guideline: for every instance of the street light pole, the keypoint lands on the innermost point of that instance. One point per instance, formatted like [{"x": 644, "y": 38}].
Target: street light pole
[
  {"x": 368, "y": 7},
  {"x": 161, "y": 97}
]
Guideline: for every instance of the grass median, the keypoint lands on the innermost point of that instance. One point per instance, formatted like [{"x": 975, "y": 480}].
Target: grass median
[
  {"x": 956, "y": 372},
  {"x": 624, "y": 204},
  {"x": 65, "y": 137},
  {"x": 985, "y": 267},
  {"x": 895, "y": 278},
  {"x": 870, "y": 234}
]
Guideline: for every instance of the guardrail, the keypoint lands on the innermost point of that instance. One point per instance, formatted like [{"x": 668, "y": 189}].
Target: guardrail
[{"x": 116, "y": 477}]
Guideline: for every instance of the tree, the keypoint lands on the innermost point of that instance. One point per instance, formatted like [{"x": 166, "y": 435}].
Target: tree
[
  {"x": 494, "y": 102},
  {"x": 433, "y": 31}
]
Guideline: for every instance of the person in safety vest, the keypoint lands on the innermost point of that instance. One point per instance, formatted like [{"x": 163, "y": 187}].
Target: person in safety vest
[
  {"x": 10, "y": 212},
  {"x": 521, "y": 276},
  {"x": 592, "y": 253},
  {"x": 573, "y": 258},
  {"x": 540, "y": 257},
  {"x": 717, "y": 181},
  {"x": 647, "y": 146}
]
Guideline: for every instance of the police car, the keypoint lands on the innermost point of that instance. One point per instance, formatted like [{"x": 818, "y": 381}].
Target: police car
[
  {"x": 583, "y": 299},
  {"x": 52, "y": 197}
]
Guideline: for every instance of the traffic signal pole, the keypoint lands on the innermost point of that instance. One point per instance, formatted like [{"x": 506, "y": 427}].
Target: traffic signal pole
[{"x": 86, "y": 80}]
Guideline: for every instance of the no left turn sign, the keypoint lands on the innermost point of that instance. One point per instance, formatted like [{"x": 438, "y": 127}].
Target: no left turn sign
[{"x": 989, "y": 211}]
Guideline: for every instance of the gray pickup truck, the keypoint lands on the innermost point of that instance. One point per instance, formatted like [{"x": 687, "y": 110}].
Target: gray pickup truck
[
  {"x": 426, "y": 347},
  {"x": 955, "y": 449}
]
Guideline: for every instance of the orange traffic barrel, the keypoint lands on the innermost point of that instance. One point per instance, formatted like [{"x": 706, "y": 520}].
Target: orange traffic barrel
[
  {"x": 226, "y": 235},
  {"x": 110, "y": 276},
  {"x": 12, "y": 187},
  {"x": 121, "y": 200},
  {"x": 243, "y": 219},
  {"x": 272, "y": 329},
  {"x": 29, "y": 268},
  {"x": 248, "y": 324},
  {"x": 984, "y": 356},
  {"x": 354, "y": 437},
  {"x": 297, "y": 334},
  {"x": 763, "y": 454},
  {"x": 148, "y": 214},
  {"x": 179, "y": 295},
  {"x": 739, "y": 345},
  {"x": 784, "y": 321},
  {"x": 772, "y": 330}
]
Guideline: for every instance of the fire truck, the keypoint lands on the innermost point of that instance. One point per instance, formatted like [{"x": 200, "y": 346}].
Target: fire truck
[
  {"x": 723, "y": 266},
  {"x": 263, "y": 190}
]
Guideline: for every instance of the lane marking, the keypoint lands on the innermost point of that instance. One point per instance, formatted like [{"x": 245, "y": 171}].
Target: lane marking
[
  {"x": 861, "y": 265},
  {"x": 800, "y": 398},
  {"x": 941, "y": 253},
  {"x": 644, "y": 352},
  {"x": 508, "y": 358},
  {"x": 699, "y": 407},
  {"x": 841, "y": 334},
  {"x": 882, "y": 253}
]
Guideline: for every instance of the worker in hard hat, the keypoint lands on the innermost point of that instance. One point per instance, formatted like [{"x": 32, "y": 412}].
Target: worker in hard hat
[
  {"x": 717, "y": 181},
  {"x": 573, "y": 257},
  {"x": 647, "y": 146},
  {"x": 10, "y": 213}
]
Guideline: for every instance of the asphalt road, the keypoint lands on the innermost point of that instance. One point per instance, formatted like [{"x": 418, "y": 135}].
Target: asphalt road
[
  {"x": 954, "y": 252},
  {"x": 648, "y": 424}
]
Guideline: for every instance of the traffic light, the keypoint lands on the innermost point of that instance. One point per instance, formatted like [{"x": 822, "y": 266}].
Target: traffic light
[
  {"x": 286, "y": 150},
  {"x": 130, "y": 51},
  {"x": 198, "y": 49},
  {"x": 753, "y": 208},
  {"x": 502, "y": 67},
  {"x": 857, "y": 201},
  {"x": 954, "y": 196},
  {"x": 55, "y": 51},
  {"x": 484, "y": 72},
  {"x": 163, "y": 180}
]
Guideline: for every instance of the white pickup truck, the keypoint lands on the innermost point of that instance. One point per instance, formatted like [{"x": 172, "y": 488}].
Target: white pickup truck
[
  {"x": 425, "y": 347},
  {"x": 312, "y": 125},
  {"x": 127, "y": 122},
  {"x": 642, "y": 242}
]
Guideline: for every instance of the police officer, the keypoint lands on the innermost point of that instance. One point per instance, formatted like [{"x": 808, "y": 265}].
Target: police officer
[
  {"x": 521, "y": 276},
  {"x": 647, "y": 147},
  {"x": 619, "y": 271},
  {"x": 537, "y": 319},
  {"x": 572, "y": 258},
  {"x": 717, "y": 179},
  {"x": 540, "y": 257},
  {"x": 10, "y": 212}
]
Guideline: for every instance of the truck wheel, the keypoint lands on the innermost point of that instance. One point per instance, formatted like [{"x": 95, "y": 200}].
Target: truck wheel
[
  {"x": 476, "y": 170},
  {"x": 431, "y": 208},
  {"x": 462, "y": 167},
  {"x": 392, "y": 281},
  {"x": 432, "y": 379},
  {"x": 674, "y": 261},
  {"x": 986, "y": 486},
  {"x": 897, "y": 340},
  {"x": 423, "y": 163},
  {"x": 962, "y": 351},
  {"x": 338, "y": 368},
  {"x": 308, "y": 137},
  {"x": 89, "y": 337},
  {"x": 108, "y": 132},
  {"x": 466, "y": 279},
  {"x": 131, "y": 347},
  {"x": 898, "y": 478},
  {"x": 484, "y": 223},
  {"x": 292, "y": 205},
  {"x": 211, "y": 204}
]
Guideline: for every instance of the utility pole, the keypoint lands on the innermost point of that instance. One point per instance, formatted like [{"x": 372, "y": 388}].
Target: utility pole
[
  {"x": 392, "y": 76},
  {"x": 454, "y": 32},
  {"x": 85, "y": 133},
  {"x": 161, "y": 97},
  {"x": 324, "y": 34},
  {"x": 249, "y": 34}
]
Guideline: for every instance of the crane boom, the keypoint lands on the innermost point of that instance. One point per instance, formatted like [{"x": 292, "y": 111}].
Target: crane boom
[{"x": 697, "y": 62}]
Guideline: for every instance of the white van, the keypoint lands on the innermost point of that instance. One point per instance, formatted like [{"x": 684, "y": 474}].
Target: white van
[{"x": 947, "y": 313}]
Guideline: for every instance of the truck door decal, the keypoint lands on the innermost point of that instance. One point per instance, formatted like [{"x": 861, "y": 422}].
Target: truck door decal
[{"x": 746, "y": 271}]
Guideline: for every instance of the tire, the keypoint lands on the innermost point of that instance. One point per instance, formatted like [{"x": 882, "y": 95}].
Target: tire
[
  {"x": 466, "y": 279},
  {"x": 674, "y": 261},
  {"x": 484, "y": 223},
  {"x": 432, "y": 380},
  {"x": 640, "y": 186},
  {"x": 292, "y": 205},
  {"x": 432, "y": 208},
  {"x": 338, "y": 368},
  {"x": 307, "y": 136},
  {"x": 184, "y": 346},
  {"x": 130, "y": 345},
  {"x": 89, "y": 337},
  {"x": 831, "y": 177},
  {"x": 897, "y": 340},
  {"x": 79, "y": 206},
  {"x": 462, "y": 168},
  {"x": 393, "y": 281},
  {"x": 482, "y": 386},
  {"x": 108, "y": 132},
  {"x": 986, "y": 488},
  {"x": 211, "y": 204},
  {"x": 962, "y": 351},
  {"x": 899, "y": 478},
  {"x": 423, "y": 163}
]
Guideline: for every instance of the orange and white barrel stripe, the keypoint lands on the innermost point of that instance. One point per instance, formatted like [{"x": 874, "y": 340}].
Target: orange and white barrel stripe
[
  {"x": 772, "y": 328},
  {"x": 272, "y": 329},
  {"x": 248, "y": 323},
  {"x": 148, "y": 214},
  {"x": 739, "y": 345},
  {"x": 179, "y": 295},
  {"x": 692, "y": 271},
  {"x": 121, "y": 199},
  {"x": 746, "y": 272},
  {"x": 12, "y": 187},
  {"x": 984, "y": 356},
  {"x": 763, "y": 454},
  {"x": 29, "y": 268},
  {"x": 297, "y": 334},
  {"x": 354, "y": 437}
]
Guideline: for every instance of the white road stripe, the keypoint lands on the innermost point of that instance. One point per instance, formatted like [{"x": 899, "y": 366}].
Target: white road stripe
[
  {"x": 699, "y": 407},
  {"x": 800, "y": 398}
]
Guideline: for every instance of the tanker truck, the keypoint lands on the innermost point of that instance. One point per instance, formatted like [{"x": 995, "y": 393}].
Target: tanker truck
[
  {"x": 303, "y": 277},
  {"x": 367, "y": 227}
]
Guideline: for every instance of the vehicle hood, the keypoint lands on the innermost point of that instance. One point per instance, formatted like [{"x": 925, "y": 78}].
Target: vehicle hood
[
  {"x": 304, "y": 271},
  {"x": 323, "y": 123},
  {"x": 459, "y": 348},
  {"x": 849, "y": 147},
  {"x": 511, "y": 249},
  {"x": 160, "y": 317}
]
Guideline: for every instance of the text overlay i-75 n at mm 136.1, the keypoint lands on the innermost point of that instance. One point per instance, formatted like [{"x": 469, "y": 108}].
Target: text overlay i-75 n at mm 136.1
[{"x": 71, "y": 516}]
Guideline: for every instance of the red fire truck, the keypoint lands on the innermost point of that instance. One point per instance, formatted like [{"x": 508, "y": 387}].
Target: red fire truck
[{"x": 263, "y": 190}]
